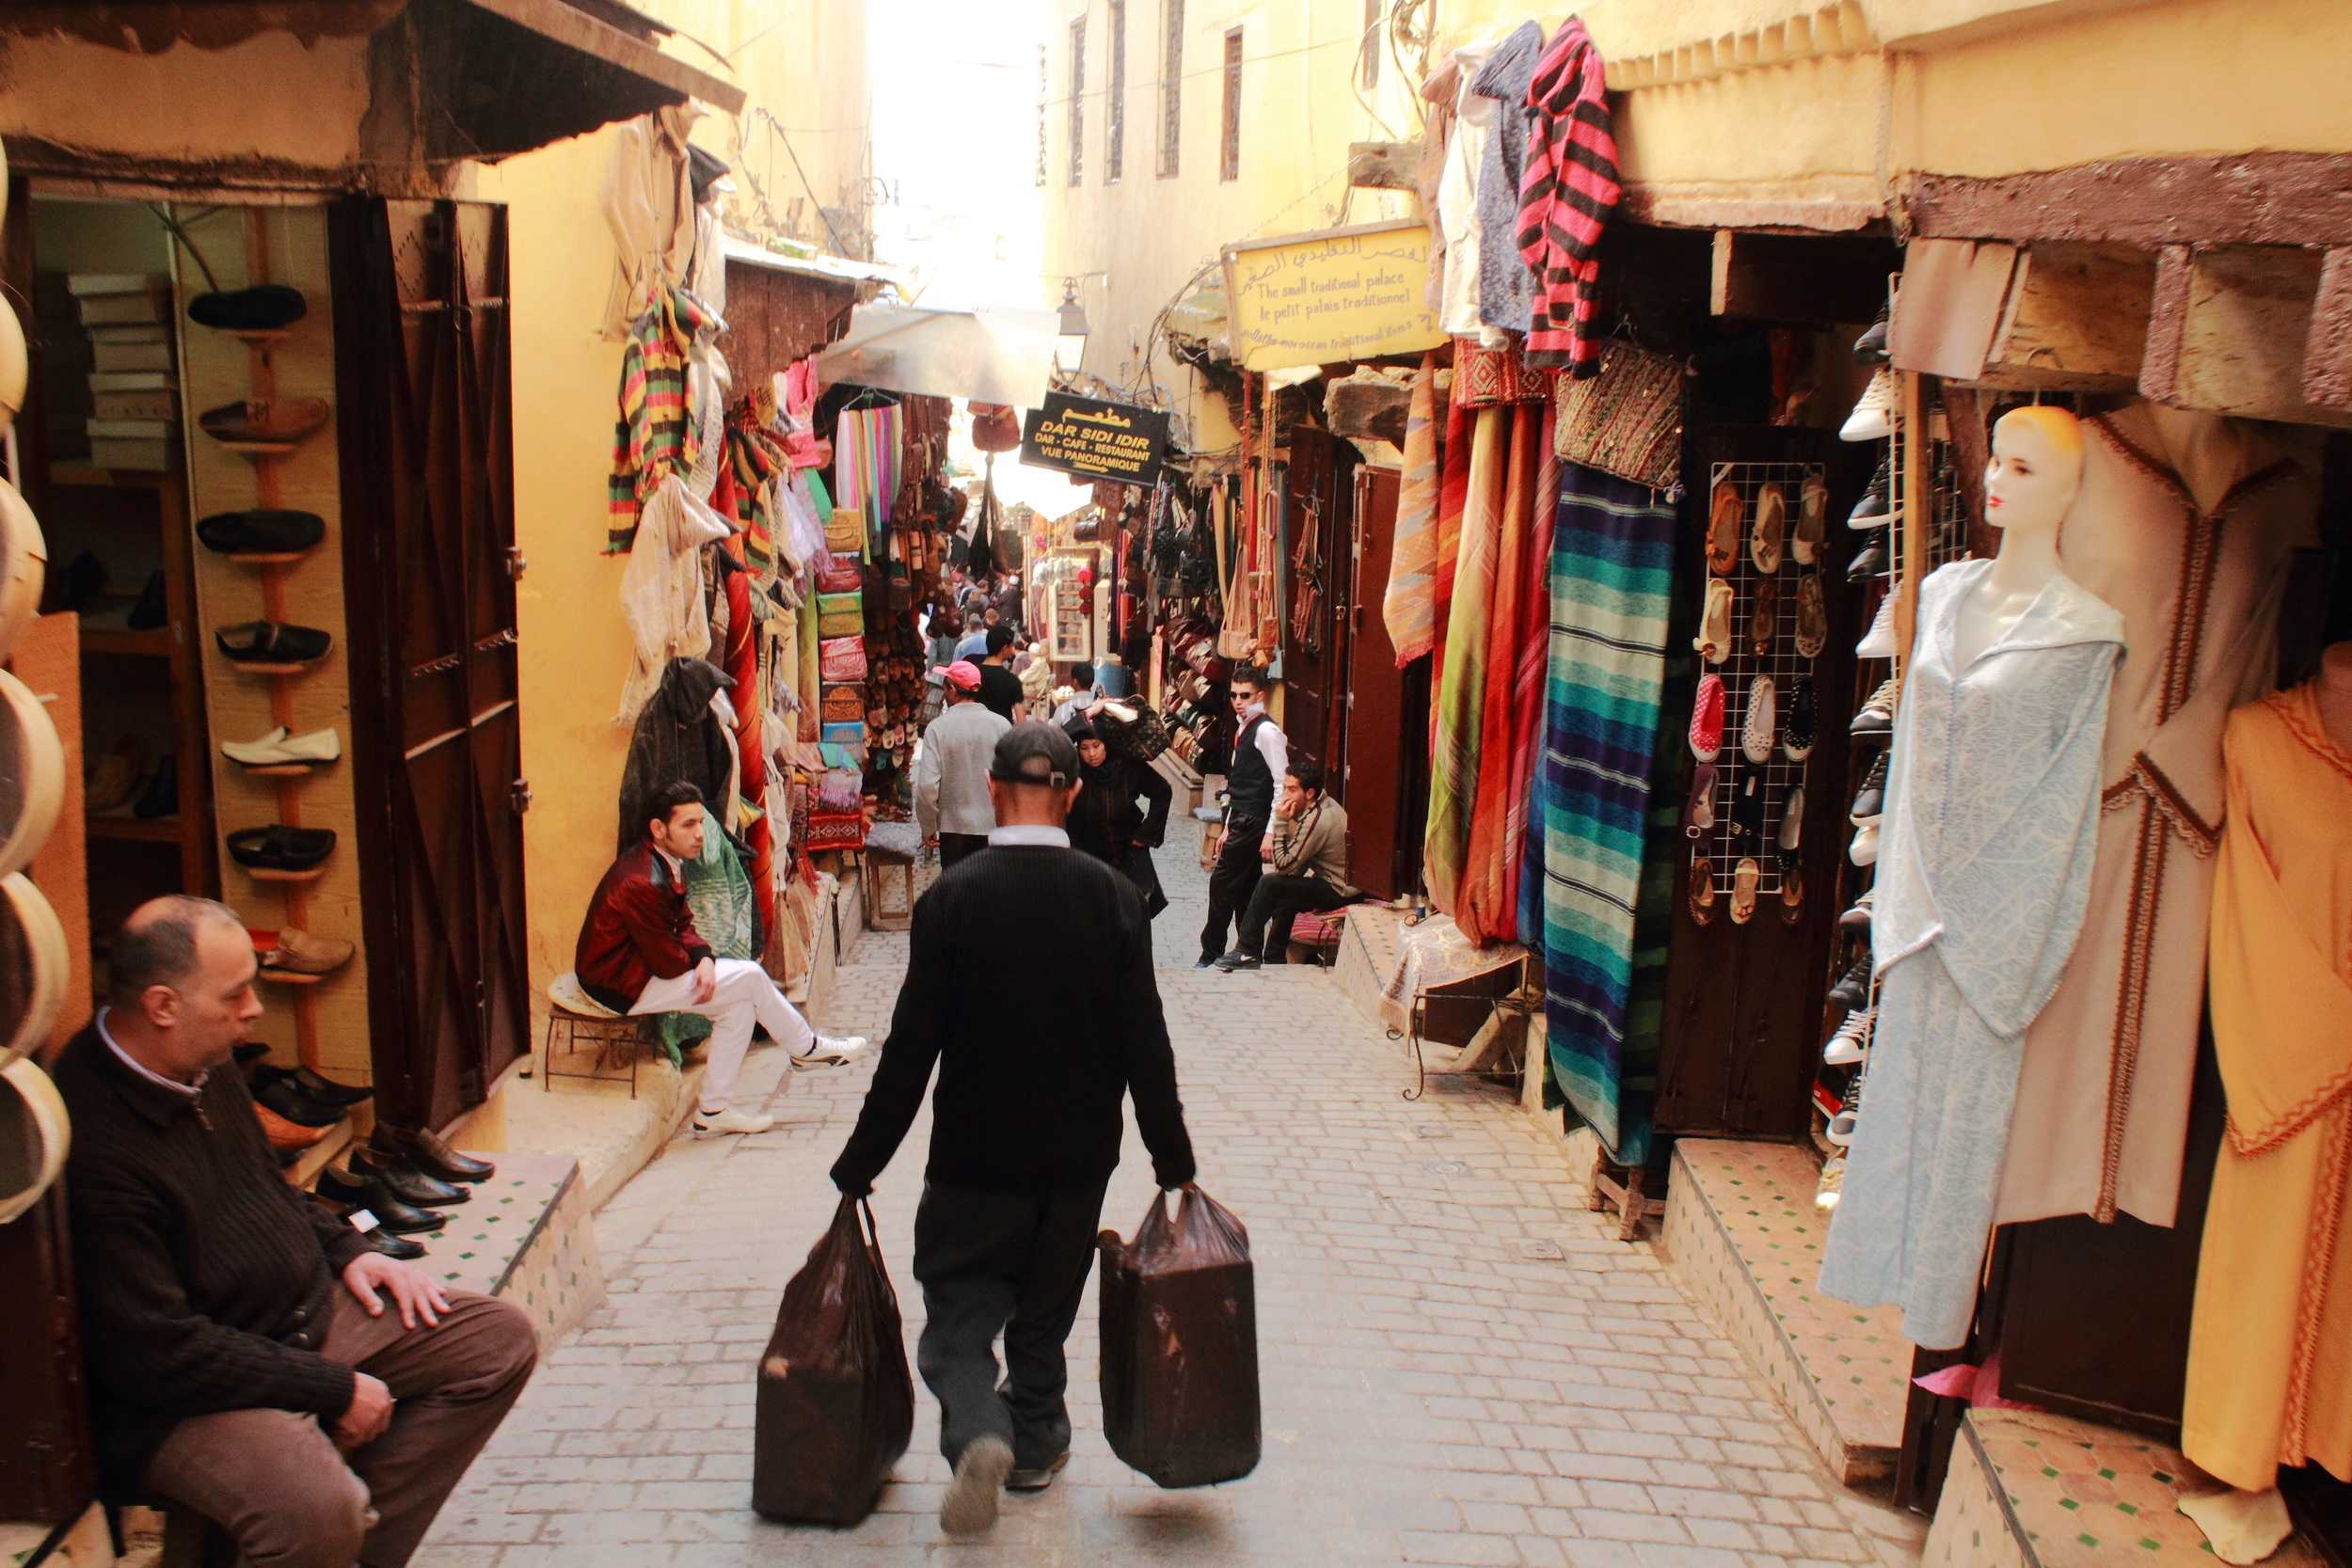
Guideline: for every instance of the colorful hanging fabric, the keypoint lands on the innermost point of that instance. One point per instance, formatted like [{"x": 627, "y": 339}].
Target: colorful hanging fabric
[
  {"x": 754, "y": 460},
  {"x": 1531, "y": 652},
  {"x": 653, "y": 437},
  {"x": 1487, "y": 903},
  {"x": 865, "y": 463},
  {"x": 1567, "y": 192},
  {"x": 1409, "y": 608},
  {"x": 741, "y": 661},
  {"x": 1591, "y": 819},
  {"x": 1460, "y": 714},
  {"x": 1454, "y": 466}
]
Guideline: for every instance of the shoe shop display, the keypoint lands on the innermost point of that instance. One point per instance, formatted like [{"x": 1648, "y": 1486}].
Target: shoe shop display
[
  {"x": 269, "y": 642},
  {"x": 1812, "y": 615},
  {"x": 288, "y": 1137},
  {"x": 152, "y": 609},
  {"x": 300, "y": 953},
  {"x": 1762, "y": 725},
  {"x": 328, "y": 1092},
  {"x": 1870, "y": 562},
  {"x": 1864, "y": 850},
  {"x": 1764, "y": 618},
  {"x": 274, "y": 1088},
  {"x": 1698, "y": 812},
  {"x": 1877, "y": 505},
  {"x": 366, "y": 1192},
  {"x": 424, "y": 1149},
  {"x": 1714, "y": 639},
  {"x": 1852, "y": 1040},
  {"x": 278, "y": 848},
  {"x": 1870, "y": 348},
  {"x": 280, "y": 750},
  {"x": 397, "y": 1247},
  {"x": 1877, "y": 715},
  {"x": 260, "y": 532},
  {"x": 266, "y": 424},
  {"x": 1852, "y": 988},
  {"x": 1745, "y": 878},
  {"x": 1812, "y": 528},
  {"x": 263, "y": 307},
  {"x": 1841, "y": 1126},
  {"x": 404, "y": 1181},
  {"x": 1771, "y": 532},
  {"x": 162, "y": 797},
  {"x": 1707, "y": 719},
  {"x": 1869, "y": 802},
  {"x": 1874, "y": 416},
  {"x": 1797, "y": 733},
  {"x": 1747, "y": 813},
  {"x": 1724, "y": 512},
  {"x": 1879, "y": 642},
  {"x": 1858, "y": 917}
]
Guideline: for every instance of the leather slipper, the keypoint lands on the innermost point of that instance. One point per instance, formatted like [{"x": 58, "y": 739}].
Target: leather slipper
[
  {"x": 1743, "y": 879},
  {"x": 1698, "y": 812},
  {"x": 1771, "y": 526},
  {"x": 278, "y": 848},
  {"x": 1812, "y": 615},
  {"x": 271, "y": 642},
  {"x": 1701, "y": 890},
  {"x": 1714, "y": 639},
  {"x": 1764, "y": 618},
  {"x": 1725, "y": 511},
  {"x": 260, "y": 532}
]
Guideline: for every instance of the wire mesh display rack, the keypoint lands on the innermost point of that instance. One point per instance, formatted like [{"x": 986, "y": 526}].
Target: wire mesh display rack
[{"x": 1724, "y": 844}]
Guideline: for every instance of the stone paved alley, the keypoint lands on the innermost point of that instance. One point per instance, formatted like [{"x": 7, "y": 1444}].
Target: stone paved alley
[{"x": 1457, "y": 1365}]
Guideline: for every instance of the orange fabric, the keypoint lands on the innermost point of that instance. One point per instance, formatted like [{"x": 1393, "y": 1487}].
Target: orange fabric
[
  {"x": 1487, "y": 903},
  {"x": 2271, "y": 1348}
]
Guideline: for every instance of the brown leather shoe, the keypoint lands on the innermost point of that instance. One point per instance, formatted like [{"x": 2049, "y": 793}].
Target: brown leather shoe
[
  {"x": 429, "y": 1153},
  {"x": 266, "y": 422},
  {"x": 300, "y": 953}
]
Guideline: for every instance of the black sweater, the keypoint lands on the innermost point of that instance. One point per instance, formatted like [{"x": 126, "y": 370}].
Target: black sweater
[
  {"x": 207, "y": 1283},
  {"x": 1032, "y": 1065}
]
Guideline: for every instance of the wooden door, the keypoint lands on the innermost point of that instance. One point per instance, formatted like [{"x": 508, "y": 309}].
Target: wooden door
[
  {"x": 1317, "y": 534},
  {"x": 422, "y": 372},
  {"x": 1373, "y": 777}
]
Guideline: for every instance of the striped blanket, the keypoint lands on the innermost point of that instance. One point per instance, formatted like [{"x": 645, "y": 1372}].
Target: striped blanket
[
  {"x": 1611, "y": 570},
  {"x": 1410, "y": 605}
]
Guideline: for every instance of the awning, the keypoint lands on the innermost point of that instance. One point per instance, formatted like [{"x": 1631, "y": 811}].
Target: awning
[
  {"x": 782, "y": 307},
  {"x": 989, "y": 356}
]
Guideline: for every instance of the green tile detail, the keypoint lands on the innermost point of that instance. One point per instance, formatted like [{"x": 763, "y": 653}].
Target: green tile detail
[{"x": 2087, "y": 1539}]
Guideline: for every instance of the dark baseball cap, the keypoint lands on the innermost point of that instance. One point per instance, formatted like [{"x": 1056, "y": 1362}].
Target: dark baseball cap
[{"x": 1035, "y": 754}]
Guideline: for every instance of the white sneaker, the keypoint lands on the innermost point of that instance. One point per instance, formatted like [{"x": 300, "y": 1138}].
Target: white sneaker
[
  {"x": 1879, "y": 642},
  {"x": 712, "y": 1124},
  {"x": 1852, "y": 1040},
  {"x": 1865, "y": 849},
  {"x": 825, "y": 1051},
  {"x": 277, "y": 749},
  {"x": 1872, "y": 419}
]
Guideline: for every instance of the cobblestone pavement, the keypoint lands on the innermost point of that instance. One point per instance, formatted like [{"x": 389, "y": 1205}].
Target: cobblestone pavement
[{"x": 1456, "y": 1365}]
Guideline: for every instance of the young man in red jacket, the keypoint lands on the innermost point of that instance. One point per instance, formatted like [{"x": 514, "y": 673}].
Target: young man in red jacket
[{"x": 638, "y": 952}]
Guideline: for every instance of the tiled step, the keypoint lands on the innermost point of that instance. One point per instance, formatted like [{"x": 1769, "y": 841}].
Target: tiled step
[
  {"x": 1743, "y": 1233},
  {"x": 2028, "y": 1489}
]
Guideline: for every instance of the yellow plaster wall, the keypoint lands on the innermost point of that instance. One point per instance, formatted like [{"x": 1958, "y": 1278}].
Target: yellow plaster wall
[{"x": 1811, "y": 126}]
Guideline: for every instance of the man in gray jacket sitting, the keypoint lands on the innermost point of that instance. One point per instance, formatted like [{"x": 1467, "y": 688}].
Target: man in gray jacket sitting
[
  {"x": 1306, "y": 857},
  {"x": 951, "y": 802}
]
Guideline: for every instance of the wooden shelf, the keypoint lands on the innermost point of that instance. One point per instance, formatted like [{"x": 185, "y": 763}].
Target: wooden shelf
[
  {"x": 281, "y": 557},
  {"x": 119, "y": 640},
  {"x": 282, "y": 769},
  {"x": 288, "y": 976},
  {"x": 152, "y": 830},
  {"x": 252, "y": 668},
  {"x": 256, "y": 448},
  {"x": 266, "y": 874}
]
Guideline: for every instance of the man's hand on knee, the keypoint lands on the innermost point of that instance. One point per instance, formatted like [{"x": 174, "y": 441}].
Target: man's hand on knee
[
  {"x": 416, "y": 1293},
  {"x": 370, "y": 1411},
  {"x": 706, "y": 981}
]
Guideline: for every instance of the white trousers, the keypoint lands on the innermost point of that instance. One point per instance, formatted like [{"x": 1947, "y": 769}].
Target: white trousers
[{"x": 745, "y": 996}]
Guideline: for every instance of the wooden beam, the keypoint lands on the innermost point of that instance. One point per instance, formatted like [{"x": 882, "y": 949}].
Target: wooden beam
[
  {"x": 2239, "y": 341},
  {"x": 2327, "y": 348},
  {"x": 2238, "y": 198},
  {"x": 2077, "y": 320},
  {"x": 1382, "y": 165},
  {"x": 2167, "y": 317},
  {"x": 1818, "y": 279},
  {"x": 553, "y": 19}
]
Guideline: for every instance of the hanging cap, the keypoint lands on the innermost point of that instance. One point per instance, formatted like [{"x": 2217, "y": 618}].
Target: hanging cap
[
  {"x": 1035, "y": 754},
  {"x": 965, "y": 676}
]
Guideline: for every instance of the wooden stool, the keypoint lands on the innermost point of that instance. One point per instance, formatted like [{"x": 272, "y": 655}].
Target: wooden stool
[
  {"x": 1604, "y": 1192},
  {"x": 1315, "y": 936},
  {"x": 615, "y": 1037},
  {"x": 887, "y": 878}
]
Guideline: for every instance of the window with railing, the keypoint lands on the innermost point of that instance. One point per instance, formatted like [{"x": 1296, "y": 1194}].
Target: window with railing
[
  {"x": 1171, "y": 83},
  {"x": 1077, "y": 100},
  {"x": 1232, "y": 167}
]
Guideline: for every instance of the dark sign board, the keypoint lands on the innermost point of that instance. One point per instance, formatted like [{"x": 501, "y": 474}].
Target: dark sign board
[{"x": 1088, "y": 438}]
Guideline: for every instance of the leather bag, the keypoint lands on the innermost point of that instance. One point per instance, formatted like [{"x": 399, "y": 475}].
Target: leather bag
[{"x": 1627, "y": 421}]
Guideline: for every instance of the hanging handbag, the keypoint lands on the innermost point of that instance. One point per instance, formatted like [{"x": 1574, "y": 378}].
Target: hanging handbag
[
  {"x": 840, "y": 576},
  {"x": 840, "y": 614},
  {"x": 841, "y": 660},
  {"x": 1626, "y": 422},
  {"x": 1486, "y": 377},
  {"x": 996, "y": 427},
  {"x": 844, "y": 704},
  {"x": 1130, "y": 731}
]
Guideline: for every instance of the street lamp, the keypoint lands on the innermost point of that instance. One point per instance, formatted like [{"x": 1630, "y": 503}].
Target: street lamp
[{"x": 1070, "y": 346}]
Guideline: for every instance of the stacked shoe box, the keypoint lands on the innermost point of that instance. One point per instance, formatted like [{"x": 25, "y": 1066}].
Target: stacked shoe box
[{"x": 135, "y": 389}]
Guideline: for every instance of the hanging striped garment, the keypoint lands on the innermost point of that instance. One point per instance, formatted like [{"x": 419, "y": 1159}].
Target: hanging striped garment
[
  {"x": 1461, "y": 704},
  {"x": 1566, "y": 193},
  {"x": 1487, "y": 908},
  {"x": 754, "y": 460},
  {"x": 653, "y": 437},
  {"x": 865, "y": 463},
  {"x": 1591, "y": 820},
  {"x": 1409, "y": 609},
  {"x": 1532, "y": 652}
]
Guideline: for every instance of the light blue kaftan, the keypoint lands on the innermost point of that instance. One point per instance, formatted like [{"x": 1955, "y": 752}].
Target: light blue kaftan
[{"x": 1984, "y": 874}]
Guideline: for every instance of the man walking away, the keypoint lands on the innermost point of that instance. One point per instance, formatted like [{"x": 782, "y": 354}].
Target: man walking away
[
  {"x": 1260, "y": 755},
  {"x": 975, "y": 641},
  {"x": 1306, "y": 867},
  {"x": 1000, "y": 688},
  {"x": 1025, "y": 1125},
  {"x": 638, "y": 952},
  {"x": 951, "y": 803}
]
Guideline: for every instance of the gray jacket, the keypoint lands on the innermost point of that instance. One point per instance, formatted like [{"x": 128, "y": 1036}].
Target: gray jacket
[
  {"x": 951, "y": 771},
  {"x": 1314, "y": 845}
]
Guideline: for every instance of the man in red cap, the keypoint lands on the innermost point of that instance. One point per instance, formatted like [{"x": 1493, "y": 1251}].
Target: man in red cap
[{"x": 951, "y": 802}]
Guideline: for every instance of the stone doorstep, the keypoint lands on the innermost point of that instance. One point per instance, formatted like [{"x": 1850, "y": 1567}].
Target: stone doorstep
[
  {"x": 1741, "y": 1233},
  {"x": 2029, "y": 1489}
]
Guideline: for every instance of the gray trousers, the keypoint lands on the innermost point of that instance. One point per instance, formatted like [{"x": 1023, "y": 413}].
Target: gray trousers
[
  {"x": 1002, "y": 1263},
  {"x": 274, "y": 1481}
]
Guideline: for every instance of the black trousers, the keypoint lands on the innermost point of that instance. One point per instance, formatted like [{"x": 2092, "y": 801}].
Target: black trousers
[
  {"x": 1009, "y": 1263},
  {"x": 1276, "y": 900},
  {"x": 955, "y": 847},
  {"x": 1231, "y": 881}
]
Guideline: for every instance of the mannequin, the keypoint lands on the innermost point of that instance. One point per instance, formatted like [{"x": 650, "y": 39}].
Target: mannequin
[
  {"x": 2037, "y": 466},
  {"x": 1985, "y": 852},
  {"x": 2205, "y": 448}
]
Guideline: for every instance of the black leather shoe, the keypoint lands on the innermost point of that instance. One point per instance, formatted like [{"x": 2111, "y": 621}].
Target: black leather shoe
[
  {"x": 162, "y": 798},
  {"x": 150, "y": 611},
  {"x": 399, "y": 1247},
  {"x": 278, "y": 848},
  {"x": 260, "y": 532},
  {"x": 404, "y": 1181},
  {"x": 1853, "y": 990},
  {"x": 366, "y": 1192},
  {"x": 263, "y": 307},
  {"x": 328, "y": 1092},
  {"x": 429, "y": 1154},
  {"x": 1870, "y": 563},
  {"x": 276, "y": 1089}
]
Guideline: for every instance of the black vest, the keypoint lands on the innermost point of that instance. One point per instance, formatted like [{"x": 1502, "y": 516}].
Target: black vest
[{"x": 1249, "y": 783}]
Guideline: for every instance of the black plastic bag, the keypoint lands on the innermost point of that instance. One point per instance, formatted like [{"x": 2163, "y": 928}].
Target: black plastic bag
[
  {"x": 836, "y": 1403},
  {"x": 1180, "y": 1345}
]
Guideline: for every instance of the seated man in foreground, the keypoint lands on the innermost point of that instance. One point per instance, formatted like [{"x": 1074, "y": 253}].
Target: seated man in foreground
[
  {"x": 1306, "y": 858},
  {"x": 638, "y": 952},
  {"x": 241, "y": 1358}
]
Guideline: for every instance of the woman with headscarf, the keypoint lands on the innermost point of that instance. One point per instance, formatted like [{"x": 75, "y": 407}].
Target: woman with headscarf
[{"x": 1106, "y": 822}]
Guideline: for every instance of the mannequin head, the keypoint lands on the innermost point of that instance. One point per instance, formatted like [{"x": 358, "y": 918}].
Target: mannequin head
[{"x": 2037, "y": 466}]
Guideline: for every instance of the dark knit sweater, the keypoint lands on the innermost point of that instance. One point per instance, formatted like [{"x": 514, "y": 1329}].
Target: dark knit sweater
[
  {"x": 1032, "y": 1065},
  {"x": 207, "y": 1283}
]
